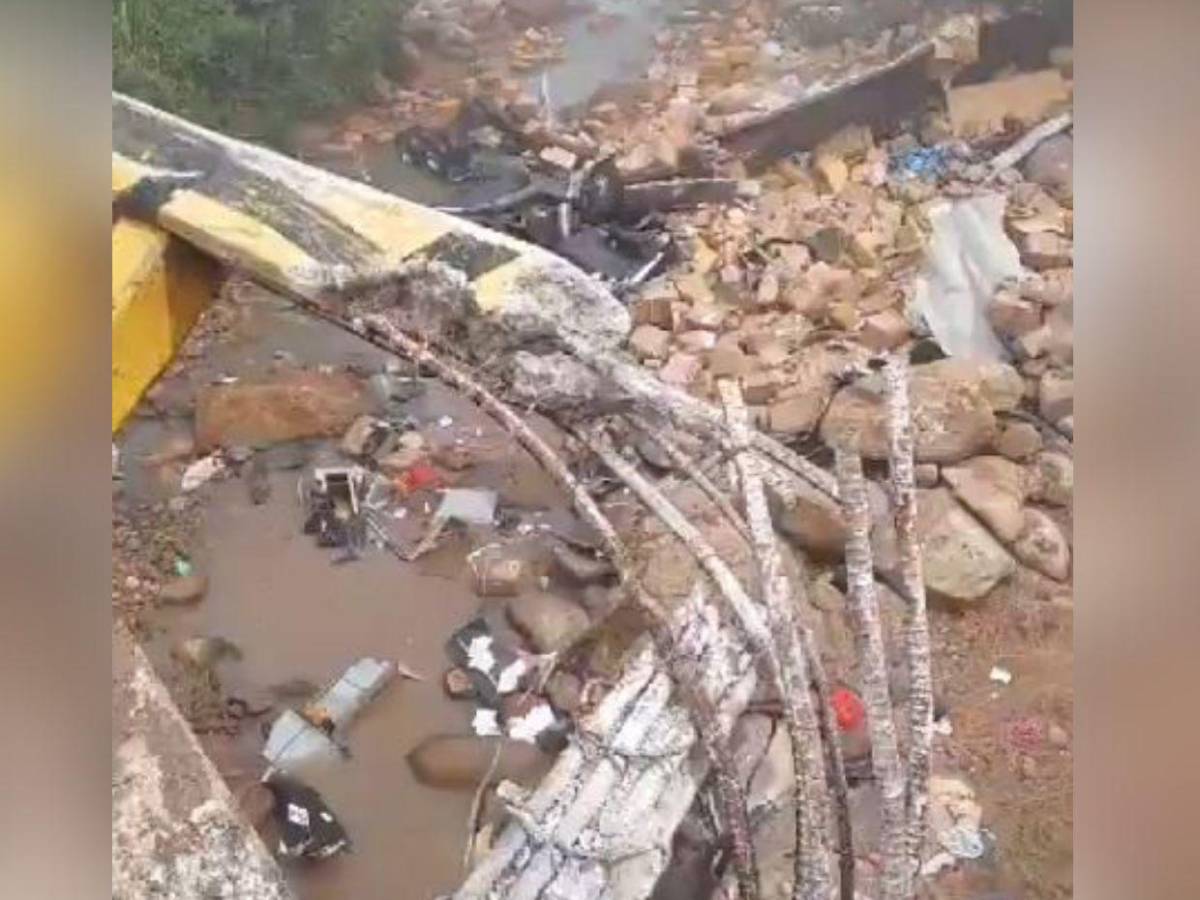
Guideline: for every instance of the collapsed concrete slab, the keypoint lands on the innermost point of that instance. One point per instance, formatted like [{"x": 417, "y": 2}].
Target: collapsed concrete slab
[{"x": 176, "y": 828}]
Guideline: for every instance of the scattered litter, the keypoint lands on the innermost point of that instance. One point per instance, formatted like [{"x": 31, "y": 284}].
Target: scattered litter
[
  {"x": 445, "y": 422},
  {"x": 969, "y": 256},
  {"x": 116, "y": 462},
  {"x": 183, "y": 566},
  {"x": 486, "y": 723},
  {"x": 201, "y": 472},
  {"x": 307, "y": 826},
  {"x": 296, "y": 737},
  {"x": 489, "y": 663},
  {"x": 943, "y": 727},
  {"x": 472, "y": 506},
  {"x": 848, "y": 709},
  {"x": 928, "y": 163},
  {"x": 1000, "y": 675},
  {"x": 225, "y": 379},
  {"x": 510, "y": 676},
  {"x": 405, "y": 672},
  {"x": 332, "y": 509},
  {"x": 533, "y": 723},
  {"x": 479, "y": 654},
  {"x": 420, "y": 477}
]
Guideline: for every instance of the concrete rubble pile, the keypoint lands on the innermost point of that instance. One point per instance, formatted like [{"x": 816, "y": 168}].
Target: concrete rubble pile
[{"x": 782, "y": 200}]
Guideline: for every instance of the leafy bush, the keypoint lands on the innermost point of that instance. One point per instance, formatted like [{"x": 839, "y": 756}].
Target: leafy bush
[{"x": 251, "y": 67}]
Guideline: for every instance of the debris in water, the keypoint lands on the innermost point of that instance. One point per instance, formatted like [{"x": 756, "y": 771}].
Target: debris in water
[
  {"x": 201, "y": 472},
  {"x": 472, "y": 506},
  {"x": 332, "y": 508},
  {"x": 307, "y": 826},
  {"x": 533, "y": 723},
  {"x": 1000, "y": 675},
  {"x": 486, "y": 723},
  {"x": 295, "y": 738},
  {"x": 445, "y": 422}
]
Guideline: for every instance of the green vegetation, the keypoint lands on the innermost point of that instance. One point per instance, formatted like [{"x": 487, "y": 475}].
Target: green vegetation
[{"x": 251, "y": 67}]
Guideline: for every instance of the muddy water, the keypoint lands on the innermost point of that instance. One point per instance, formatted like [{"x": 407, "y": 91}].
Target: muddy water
[{"x": 294, "y": 614}]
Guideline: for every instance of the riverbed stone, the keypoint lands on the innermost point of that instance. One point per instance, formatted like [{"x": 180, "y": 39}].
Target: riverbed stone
[
  {"x": 549, "y": 622},
  {"x": 459, "y": 762},
  {"x": 286, "y": 407}
]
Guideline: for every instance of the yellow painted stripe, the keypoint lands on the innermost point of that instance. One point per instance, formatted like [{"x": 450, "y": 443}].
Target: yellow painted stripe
[
  {"x": 494, "y": 288},
  {"x": 160, "y": 286},
  {"x": 399, "y": 230}
]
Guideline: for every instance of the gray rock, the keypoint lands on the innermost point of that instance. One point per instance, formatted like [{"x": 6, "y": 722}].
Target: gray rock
[
  {"x": 580, "y": 568},
  {"x": 1056, "y": 396},
  {"x": 952, "y": 415},
  {"x": 1043, "y": 547},
  {"x": 565, "y": 691},
  {"x": 554, "y": 381},
  {"x": 649, "y": 450},
  {"x": 961, "y": 559},
  {"x": 994, "y": 489},
  {"x": 1019, "y": 441},
  {"x": 1054, "y": 479},
  {"x": 550, "y": 623}
]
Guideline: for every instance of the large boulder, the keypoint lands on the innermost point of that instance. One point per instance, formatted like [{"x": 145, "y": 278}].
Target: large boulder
[
  {"x": 994, "y": 489},
  {"x": 286, "y": 407},
  {"x": 961, "y": 560},
  {"x": 953, "y": 405}
]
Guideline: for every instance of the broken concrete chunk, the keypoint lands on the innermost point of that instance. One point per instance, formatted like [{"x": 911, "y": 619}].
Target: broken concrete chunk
[
  {"x": 656, "y": 311},
  {"x": 728, "y": 361},
  {"x": 650, "y": 342},
  {"x": 1011, "y": 316},
  {"x": 697, "y": 341},
  {"x": 832, "y": 172},
  {"x": 1045, "y": 250},
  {"x": 886, "y": 330},
  {"x": 287, "y": 407},
  {"x": 681, "y": 369},
  {"x": 759, "y": 387}
]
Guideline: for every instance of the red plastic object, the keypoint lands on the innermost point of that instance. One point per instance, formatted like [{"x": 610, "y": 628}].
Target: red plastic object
[
  {"x": 420, "y": 477},
  {"x": 848, "y": 709}
]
